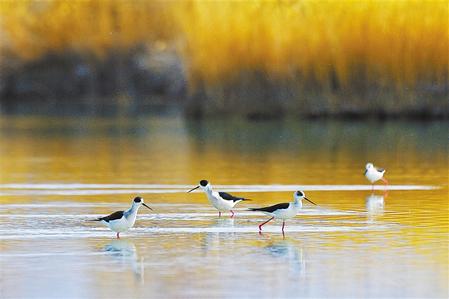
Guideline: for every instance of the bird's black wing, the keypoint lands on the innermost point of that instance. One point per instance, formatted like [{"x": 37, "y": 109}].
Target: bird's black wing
[
  {"x": 271, "y": 209},
  {"x": 113, "y": 216},
  {"x": 228, "y": 196}
]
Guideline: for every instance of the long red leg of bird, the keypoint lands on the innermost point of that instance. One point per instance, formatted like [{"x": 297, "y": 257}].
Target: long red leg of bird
[
  {"x": 219, "y": 214},
  {"x": 260, "y": 226},
  {"x": 232, "y": 213},
  {"x": 386, "y": 184},
  {"x": 118, "y": 235},
  {"x": 283, "y": 224}
]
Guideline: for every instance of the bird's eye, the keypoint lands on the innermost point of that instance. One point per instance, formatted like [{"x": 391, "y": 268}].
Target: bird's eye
[
  {"x": 204, "y": 183},
  {"x": 137, "y": 199}
]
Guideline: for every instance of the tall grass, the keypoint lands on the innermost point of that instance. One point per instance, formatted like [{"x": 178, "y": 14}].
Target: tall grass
[
  {"x": 404, "y": 42},
  {"x": 33, "y": 28},
  {"x": 322, "y": 56}
]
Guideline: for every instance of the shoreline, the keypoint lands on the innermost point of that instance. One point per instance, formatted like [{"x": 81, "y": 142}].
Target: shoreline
[
  {"x": 147, "y": 108},
  {"x": 143, "y": 81}
]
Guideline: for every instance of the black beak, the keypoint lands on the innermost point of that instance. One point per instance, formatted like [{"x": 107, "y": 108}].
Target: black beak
[
  {"x": 193, "y": 189},
  {"x": 309, "y": 201},
  {"x": 147, "y": 206}
]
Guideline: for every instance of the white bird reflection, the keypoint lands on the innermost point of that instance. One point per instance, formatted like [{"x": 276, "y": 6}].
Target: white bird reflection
[
  {"x": 213, "y": 240},
  {"x": 374, "y": 206},
  {"x": 293, "y": 256},
  {"x": 125, "y": 252}
]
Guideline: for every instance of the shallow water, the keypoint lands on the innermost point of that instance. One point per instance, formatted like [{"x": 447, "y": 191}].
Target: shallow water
[{"x": 57, "y": 174}]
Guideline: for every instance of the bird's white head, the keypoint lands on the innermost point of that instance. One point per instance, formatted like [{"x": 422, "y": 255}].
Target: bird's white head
[
  {"x": 299, "y": 196},
  {"x": 204, "y": 185},
  {"x": 138, "y": 201},
  {"x": 369, "y": 166}
]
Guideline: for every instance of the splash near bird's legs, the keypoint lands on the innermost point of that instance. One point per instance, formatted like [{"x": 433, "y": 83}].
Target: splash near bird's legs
[{"x": 260, "y": 226}]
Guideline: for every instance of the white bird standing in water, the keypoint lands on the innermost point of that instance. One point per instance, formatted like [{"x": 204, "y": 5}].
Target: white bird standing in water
[
  {"x": 121, "y": 221},
  {"x": 284, "y": 211},
  {"x": 373, "y": 174},
  {"x": 222, "y": 201}
]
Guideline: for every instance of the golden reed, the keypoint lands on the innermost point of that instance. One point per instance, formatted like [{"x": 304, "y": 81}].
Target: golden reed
[{"x": 329, "y": 46}]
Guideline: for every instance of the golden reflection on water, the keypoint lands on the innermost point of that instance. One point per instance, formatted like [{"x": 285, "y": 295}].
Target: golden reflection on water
[{"x": 174, "y": 151}]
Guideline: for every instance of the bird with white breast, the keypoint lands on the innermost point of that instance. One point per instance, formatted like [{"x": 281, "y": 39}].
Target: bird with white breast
[
  {"x": 222, "y": 201},
  {"x": 122, "y": 221},
  {"x": 373, "y": 174},
  {"x": 284, "y": 211}
]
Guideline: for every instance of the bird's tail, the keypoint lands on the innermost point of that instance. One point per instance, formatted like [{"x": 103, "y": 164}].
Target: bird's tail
[
  {"x": 247, "y": 199},
  {"x": 98, "y": 219}
]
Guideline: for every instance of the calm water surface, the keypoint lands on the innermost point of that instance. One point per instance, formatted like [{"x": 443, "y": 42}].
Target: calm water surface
[{"x": 57, "y": 173}]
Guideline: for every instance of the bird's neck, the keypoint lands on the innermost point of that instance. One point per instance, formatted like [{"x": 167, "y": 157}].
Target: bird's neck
[
  {"x": 208, "y": 191},
  {"x": 133, "y": 210},
  {"x": 297, "y": 203}
]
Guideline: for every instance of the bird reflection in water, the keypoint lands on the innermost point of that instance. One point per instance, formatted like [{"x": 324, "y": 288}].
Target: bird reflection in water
[
  {"x": 125, "y": 253},
  {"x": 374, "y": 206},
  {"x": 212, "y": 240},
  {"x": 291, "y": 255}
]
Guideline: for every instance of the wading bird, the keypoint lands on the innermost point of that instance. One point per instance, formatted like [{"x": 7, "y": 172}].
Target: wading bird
[
  {"x": 222, "y": 201},
  {"x": 373, "y": 174},
  {"x": 284, "y": 211},
  {"x": 121, "y": 221}
]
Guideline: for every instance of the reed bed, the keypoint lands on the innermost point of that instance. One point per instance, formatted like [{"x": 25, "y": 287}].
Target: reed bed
[
  {"x": 263, "y": 57},
  {"x": 33, "y": 28},
  {"x": 400, "y": 41},
  {"x": 319, "y": 56}
]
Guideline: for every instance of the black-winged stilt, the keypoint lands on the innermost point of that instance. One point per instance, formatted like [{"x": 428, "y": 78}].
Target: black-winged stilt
[
  {"x": 222, "y": 201},
  {"x": 121, "y": 221},
  {"x": 283, "y": 211},
  {"x": 373, "y": 174}
]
